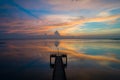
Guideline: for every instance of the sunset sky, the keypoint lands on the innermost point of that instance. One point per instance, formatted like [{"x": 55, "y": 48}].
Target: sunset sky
[{"x": 29, "y": 18}]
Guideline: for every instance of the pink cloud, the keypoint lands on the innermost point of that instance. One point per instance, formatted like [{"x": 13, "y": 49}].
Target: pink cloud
[
  {"x": 51, "y": 22},
  {"x": 68, "y": 5}
]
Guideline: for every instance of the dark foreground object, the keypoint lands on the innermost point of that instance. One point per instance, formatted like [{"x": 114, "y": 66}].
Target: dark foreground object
[{"x": 58, "y": 66}]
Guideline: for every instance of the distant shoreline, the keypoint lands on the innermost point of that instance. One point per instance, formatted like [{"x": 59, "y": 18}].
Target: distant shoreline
[{"x": 62, "y": 38}]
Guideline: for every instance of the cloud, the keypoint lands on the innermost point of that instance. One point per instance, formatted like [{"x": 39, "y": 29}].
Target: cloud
[
  {"x": 66, "y": 25},
  {"x": 60, "y": 18},
  {"x": 104, "y": 13},
  {"x": 68, "y": 5},
  {"x": 71, "y": 26}
]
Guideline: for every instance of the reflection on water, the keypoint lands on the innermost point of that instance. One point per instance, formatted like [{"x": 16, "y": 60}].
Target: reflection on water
[{"x": 87, "y": 59}]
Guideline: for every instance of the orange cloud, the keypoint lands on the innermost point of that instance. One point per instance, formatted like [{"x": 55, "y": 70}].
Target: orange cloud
[
  {"x": 70, "y": 26},
  {"x": 43, "y": 26}
]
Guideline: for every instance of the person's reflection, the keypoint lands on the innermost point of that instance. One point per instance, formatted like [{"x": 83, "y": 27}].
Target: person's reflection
[{"x": 56, "y": 43}]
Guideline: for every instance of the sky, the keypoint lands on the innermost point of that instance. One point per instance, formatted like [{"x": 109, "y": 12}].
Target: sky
[{"x": 30, "y": 18}]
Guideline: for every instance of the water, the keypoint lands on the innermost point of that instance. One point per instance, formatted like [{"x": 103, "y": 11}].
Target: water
[{"x": 87, "y": 59}]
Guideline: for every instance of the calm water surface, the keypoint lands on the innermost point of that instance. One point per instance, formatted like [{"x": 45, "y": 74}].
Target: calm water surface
[{"x": 87, "y": 59}]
